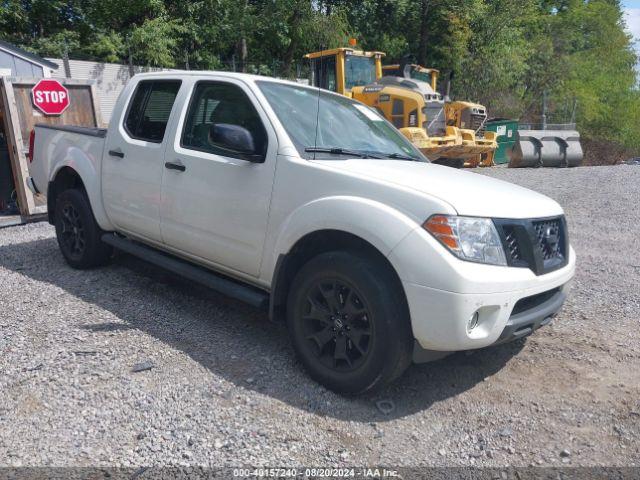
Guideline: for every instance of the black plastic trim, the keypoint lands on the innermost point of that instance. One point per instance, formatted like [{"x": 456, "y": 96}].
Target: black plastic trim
[
  {"x": 51, "y": 202},
  {"x": 528, "y": 321},
  {"x": 175, "y": 166},
  {"x": 90, "y": 131},
  {"x": 278, "y": 297},
  {"x": 32, "y": 185},
  {"x": 245, "y": 293}
]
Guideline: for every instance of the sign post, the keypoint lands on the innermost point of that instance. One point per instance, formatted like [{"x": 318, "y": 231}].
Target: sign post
[{"x": 50, "y": 97}]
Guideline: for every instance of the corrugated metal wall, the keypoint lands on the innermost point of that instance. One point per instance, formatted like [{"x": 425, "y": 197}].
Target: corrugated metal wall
[{"x": 110, "y": 79}]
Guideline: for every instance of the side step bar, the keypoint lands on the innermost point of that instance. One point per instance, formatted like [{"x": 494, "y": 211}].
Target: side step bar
[{"x": 244, "y": 293}]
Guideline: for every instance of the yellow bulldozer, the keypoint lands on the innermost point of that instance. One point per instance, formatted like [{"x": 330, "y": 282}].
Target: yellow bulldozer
[{"x": 450, "y": 133}]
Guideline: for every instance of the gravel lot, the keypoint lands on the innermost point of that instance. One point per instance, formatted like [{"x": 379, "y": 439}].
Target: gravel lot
[{"x": 225, "y": 390}]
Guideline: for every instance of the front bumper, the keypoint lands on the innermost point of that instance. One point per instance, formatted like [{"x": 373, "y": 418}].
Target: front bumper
[
  {"x": 444, "y": 293},
  {"x": 543, "y": 307},
  {"x": 439, "y": 319}
]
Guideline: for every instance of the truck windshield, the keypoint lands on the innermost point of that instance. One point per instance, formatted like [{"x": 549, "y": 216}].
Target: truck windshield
[
  {"x": 422, "y": 76},
  {"x": 319, "y": 120},
  {"x": 359, "y": 71}
]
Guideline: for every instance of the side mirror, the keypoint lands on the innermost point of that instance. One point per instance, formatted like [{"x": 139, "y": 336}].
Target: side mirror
[{"x": 236, "y": 139}]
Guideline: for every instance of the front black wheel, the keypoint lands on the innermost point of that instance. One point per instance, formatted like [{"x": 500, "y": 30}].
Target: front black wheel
[
  {"x": 338, "y": 324},
  {"x": 349, "y": 322},
  {"x": 77, "y": 231}
]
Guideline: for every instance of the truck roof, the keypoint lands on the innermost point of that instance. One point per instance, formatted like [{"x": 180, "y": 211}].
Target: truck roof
[
  {"x": 249, "y": 77},
  {"x": 217, "y": 73}
]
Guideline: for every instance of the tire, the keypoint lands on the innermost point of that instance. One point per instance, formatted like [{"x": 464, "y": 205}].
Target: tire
[
  {"x": 349, "y": 322},
  {"x": 450, "y": 162},
  {"x": 78, "y": 233}
]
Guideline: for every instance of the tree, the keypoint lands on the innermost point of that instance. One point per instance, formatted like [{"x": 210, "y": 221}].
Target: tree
[{"x": 505, "y": 53}]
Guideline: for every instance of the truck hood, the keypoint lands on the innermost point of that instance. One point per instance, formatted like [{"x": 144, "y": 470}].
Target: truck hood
[{"x": 468, "y": 193}]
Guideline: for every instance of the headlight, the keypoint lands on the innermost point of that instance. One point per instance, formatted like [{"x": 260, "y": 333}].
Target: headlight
[{"x": 469, "y": 238}]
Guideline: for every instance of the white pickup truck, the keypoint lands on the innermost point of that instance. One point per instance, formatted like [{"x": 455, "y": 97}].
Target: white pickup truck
[{"x": 313, "y": 206}]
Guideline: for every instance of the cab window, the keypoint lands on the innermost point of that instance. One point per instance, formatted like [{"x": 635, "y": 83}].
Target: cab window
[
  {"x": 150, "y": 108},
  {"x": 215, "y": 103}
]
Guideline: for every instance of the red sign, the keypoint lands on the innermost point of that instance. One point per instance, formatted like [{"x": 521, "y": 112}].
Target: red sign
[{"x": 50, "y": 97}]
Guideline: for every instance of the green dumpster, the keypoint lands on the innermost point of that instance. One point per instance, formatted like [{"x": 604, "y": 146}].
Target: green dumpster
[{"x": 506, "y": 131}]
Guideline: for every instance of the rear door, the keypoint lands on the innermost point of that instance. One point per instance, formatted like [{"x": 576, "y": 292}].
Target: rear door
[
  {"x": 215, "y": 201},
  {"x": 132, "y": 166}
]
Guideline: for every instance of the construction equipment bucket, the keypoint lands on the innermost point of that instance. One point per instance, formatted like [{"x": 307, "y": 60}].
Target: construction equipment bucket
[{"x": 547, "y": 148}]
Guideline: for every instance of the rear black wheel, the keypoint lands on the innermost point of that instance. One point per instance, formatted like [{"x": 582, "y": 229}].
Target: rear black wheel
[
  {"x": 349, "y": 322},
  {"x": 77, "y": 231}
]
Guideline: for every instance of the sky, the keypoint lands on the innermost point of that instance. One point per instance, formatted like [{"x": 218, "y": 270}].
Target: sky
[{"x": 632, "y": 16}]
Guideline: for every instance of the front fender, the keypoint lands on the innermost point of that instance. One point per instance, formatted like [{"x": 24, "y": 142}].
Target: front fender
[
  {"x": 379, "y": 224},
  {"x": 87, "y": 166}
]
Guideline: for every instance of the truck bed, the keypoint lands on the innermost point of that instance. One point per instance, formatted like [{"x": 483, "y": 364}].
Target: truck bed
[{"x": 57, "y": 145}]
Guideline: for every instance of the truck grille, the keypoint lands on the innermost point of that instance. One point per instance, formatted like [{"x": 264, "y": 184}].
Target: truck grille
[
  {"x": 539, "y": 244},
  {"x": 511, "y": 246},
  {"x": 544, "y": 231}
]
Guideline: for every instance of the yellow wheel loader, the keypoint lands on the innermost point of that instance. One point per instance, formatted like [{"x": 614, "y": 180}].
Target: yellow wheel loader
[
  {"x": 413, "y": 105},
  {"x": 460, "y": 114}
]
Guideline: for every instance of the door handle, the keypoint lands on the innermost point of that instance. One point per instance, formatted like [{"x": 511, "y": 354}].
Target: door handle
[
  {"x": 175, "y": 166},
  {"x": 116, "y": 153}
]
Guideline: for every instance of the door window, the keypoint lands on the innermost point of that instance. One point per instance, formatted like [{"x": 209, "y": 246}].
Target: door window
[
  {"x": 324, "y": 73},
  {"x": 221, "y": 104},
  {"x": 150, "y": 108}
]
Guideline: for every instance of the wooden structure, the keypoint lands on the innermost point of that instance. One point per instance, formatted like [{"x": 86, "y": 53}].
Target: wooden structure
[{"x": 18, "y": 117}]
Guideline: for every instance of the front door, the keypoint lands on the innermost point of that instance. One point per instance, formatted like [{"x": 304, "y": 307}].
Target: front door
[
  {"x": 215, "y": 200},
  {"x": 132, "y": 165}
]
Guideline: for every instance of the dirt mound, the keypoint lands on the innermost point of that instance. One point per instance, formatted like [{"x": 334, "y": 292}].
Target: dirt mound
[{"x": 604, "y": 152}]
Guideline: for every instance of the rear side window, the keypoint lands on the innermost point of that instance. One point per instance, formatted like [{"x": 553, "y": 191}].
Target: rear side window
[{"x": 150, "y": 108}]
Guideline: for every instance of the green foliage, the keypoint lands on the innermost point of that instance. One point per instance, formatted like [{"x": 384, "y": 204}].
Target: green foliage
[
  {"x": 505, "y": 53},
  {"x": 58, "y": 44},
  {"x": 108, "y": 46},
  {"x": 154, "y": 42}
]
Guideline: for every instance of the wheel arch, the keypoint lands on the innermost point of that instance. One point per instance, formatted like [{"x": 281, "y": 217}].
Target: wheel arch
[
  {"x": 308, "y": 247},
  {"x": 68, "y": 177},
  {"x": 65, "y": 178}
]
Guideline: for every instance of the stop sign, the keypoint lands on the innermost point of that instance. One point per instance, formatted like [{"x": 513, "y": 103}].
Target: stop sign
[{"x": 50, "y": 97}]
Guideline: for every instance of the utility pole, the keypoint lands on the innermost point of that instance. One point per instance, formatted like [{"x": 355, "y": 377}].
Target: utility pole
[
  {"x": 65, "y": 61},
  {"x": 130, "y": 59},
  {"x": 544, "y": 110}
]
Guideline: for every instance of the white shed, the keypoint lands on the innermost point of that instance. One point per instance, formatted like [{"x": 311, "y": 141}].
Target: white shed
[{"x": 16, "y": 62}]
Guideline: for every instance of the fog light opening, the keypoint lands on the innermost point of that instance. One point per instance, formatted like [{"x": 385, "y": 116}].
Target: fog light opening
[{"x": 473, "y": 322}]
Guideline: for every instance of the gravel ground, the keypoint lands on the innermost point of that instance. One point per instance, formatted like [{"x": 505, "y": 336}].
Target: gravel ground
[{"x": 219, "y": 385}]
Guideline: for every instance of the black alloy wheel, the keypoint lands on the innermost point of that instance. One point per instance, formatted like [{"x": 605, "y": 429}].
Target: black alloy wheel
[
  {"x": 73, "y": 232},
  {"x": 337, "y": 323},
  {"x": 78, "y": 233},
  {"x": 349, "y": 322}
]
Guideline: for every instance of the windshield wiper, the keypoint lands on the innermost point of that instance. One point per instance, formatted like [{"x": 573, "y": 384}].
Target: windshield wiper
[
  {"x": 342, "y": 151},
  {"x": 397, "y": 156}
]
